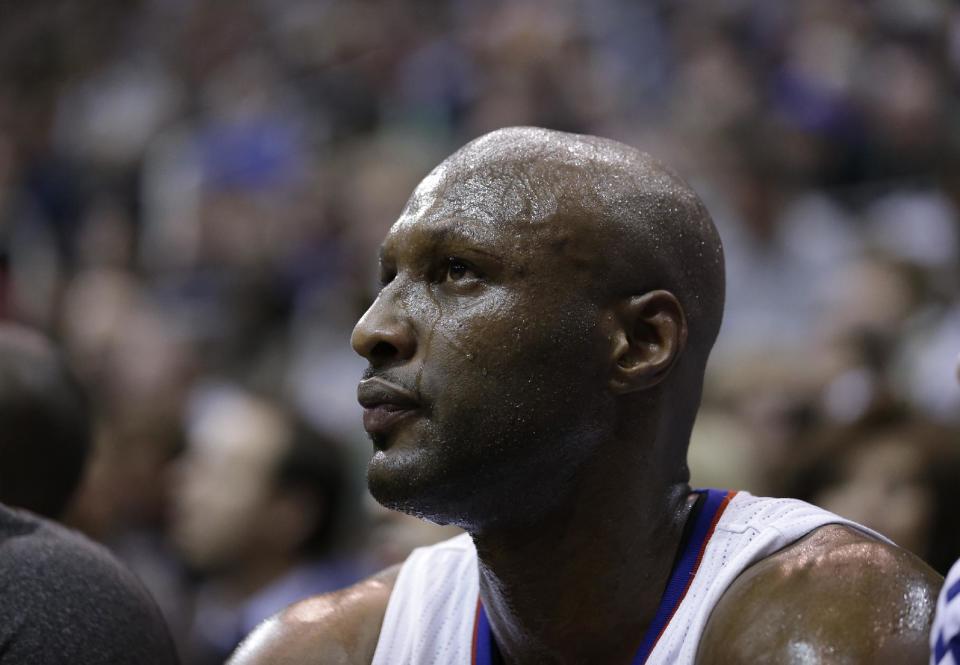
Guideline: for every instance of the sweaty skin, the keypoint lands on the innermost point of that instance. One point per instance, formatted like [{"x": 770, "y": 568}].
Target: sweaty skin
[{"x": 548, "y": 305}]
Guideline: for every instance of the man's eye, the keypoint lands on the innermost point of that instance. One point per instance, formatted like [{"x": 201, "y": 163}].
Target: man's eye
[{"x": 458, "y": 270}]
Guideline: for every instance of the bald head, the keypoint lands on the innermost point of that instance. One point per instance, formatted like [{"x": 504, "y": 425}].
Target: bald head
[
  {"x": 639, "y": 226},
  {"x": 545, "y": 296}
]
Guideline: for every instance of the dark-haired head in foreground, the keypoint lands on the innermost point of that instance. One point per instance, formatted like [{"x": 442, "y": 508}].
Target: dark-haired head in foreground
[
  {"x": 45, "y": 424},
  {"x": 62, "y": 597},
  {"x": 65, "y": 599},
  {"x": 536, "y": 354}
]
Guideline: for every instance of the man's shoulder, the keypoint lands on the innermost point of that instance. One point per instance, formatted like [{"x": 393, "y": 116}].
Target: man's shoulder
[
  {"x": 63, "y": 593},
  {"x": 339, "y": 628},
  {"x": 837, "y": 594}
]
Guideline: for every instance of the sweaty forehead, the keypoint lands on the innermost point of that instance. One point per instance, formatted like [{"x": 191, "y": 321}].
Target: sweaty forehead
[
  {"x": 528, "y": 174},
  {"x": 511, "y": 205},
  {"x": 503, "y": 193},
  {"x": 614, "y": 210},
  {"x": 605, "y": 205}
]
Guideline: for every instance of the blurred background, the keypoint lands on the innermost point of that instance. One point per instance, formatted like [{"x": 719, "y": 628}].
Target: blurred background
[{"x": 192, "y": 193}]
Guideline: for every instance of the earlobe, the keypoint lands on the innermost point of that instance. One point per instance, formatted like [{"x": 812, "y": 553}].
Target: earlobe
[{"x": 650, "y": 334}]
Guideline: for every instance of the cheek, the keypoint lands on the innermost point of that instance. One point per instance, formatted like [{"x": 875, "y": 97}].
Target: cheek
[{"x": 508, "y": 357}]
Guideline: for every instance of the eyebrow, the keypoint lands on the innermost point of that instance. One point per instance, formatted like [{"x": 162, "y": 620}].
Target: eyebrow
[
  {"x": 452, "y": 233},
  {"x": 448, "y": 233}
]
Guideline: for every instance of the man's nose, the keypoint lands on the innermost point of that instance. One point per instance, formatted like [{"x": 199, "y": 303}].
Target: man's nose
[{"x": 383, "y": 336}]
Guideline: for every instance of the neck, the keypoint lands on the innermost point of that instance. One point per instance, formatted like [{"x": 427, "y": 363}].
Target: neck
[{"x": 600, "y": 561}]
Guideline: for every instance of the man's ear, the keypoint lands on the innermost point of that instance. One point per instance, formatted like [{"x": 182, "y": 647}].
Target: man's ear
[{"x": 650, "y": 334}]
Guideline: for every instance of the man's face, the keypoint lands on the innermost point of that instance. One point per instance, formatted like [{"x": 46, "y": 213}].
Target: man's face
[{"x": 486, "y": 354}]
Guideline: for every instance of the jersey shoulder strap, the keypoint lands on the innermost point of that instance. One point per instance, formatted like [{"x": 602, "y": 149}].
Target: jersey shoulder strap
[{"x": 429, "y": 617}]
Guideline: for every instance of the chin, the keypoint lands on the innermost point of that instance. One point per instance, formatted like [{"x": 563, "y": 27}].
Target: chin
[
  {"x": 413, "y": 482},
  {"x": 398, "y": 480},
  {"x": 470, "y": 497}
]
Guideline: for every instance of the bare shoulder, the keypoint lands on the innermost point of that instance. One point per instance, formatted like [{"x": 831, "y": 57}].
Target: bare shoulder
[
  {"x": 339, "y": 628},
  {"x": 837, "y": 595}
]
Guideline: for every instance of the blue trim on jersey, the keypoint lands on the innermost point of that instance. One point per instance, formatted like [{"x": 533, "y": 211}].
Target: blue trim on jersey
[
  {"x": 680, "y": 578},
  {"x": 941, "y": 648},
  {"x": 953, "y": 591},
  {"x": 485, "y": 643}
]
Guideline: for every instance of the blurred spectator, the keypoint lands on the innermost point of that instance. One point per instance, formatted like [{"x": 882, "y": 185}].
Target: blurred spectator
[
  {"x": 257, "y": 510},
  {"x": 46, "y": 425},
  {"x": 60, "y": 594},
  {"x": 894, "y": 473}
]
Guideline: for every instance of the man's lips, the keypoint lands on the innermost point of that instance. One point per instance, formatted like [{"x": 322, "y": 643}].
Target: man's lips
[{"x": 385, "y": 404}]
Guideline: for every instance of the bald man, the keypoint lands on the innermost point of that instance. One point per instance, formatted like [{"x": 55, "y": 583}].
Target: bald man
[{"x": 537, "y": 354}]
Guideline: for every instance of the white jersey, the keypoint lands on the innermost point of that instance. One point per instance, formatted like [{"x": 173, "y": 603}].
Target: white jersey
[
  {"x": 434, "y": 615},
  {"x": 945, "y": 635}
]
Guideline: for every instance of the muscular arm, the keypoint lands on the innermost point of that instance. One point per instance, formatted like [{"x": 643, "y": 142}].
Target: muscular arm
[
  {"x": 836, "y": 596},
  {"x": 338, "y": 628}
]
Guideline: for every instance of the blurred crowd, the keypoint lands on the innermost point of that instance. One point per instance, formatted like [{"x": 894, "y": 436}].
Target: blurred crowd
[{"x": 192, "y": 193}]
